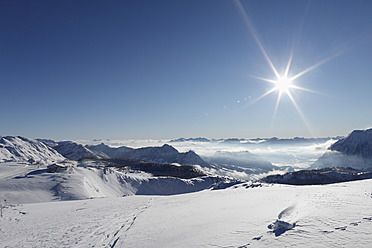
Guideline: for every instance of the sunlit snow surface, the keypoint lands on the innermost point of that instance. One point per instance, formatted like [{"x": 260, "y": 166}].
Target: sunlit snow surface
[{"x": 337, "y": 215}]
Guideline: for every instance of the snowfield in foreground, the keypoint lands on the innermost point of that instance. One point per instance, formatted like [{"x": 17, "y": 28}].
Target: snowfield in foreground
[{"x": 337, "y": 215}]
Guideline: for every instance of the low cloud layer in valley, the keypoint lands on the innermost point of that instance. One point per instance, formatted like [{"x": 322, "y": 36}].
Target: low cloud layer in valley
[{"x": 297, "y": 154}]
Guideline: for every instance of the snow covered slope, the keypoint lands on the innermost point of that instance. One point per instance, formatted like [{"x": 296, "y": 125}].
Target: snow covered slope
[
  {"x": 112, "y": 152},
  {"x": 20, "y": 149},
  {"x": 337, "y": 215},
  {"x": 353, "y": 151},
  {"x": 165, "y": 154},
  {"x": 20, "y": 183},
  {"x": 74, "y": 151}
]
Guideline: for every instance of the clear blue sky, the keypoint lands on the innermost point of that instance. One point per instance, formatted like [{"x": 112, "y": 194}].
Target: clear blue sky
[{"x": 167, "y": 69}]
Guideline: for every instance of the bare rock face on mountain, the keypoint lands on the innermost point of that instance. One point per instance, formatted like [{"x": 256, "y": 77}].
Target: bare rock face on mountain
[
  {"x": 21, "y": 149},
  {"x": 353, "y": 151}
]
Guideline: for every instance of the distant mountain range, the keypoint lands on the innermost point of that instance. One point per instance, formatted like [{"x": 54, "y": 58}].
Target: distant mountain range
[
  {"x": 20, "y": 149},
  {"x": 273, "y": 140},
  {"x": 200, "y": 139},
  {"x": 165, "y": 154},
  {"x": 354, "y": 151}
]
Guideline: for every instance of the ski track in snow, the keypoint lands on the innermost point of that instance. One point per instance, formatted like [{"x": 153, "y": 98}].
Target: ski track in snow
[{"x": 78, "y": 224}]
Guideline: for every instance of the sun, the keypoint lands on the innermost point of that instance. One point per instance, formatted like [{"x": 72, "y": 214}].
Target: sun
[{"x": 283, "y": 84}]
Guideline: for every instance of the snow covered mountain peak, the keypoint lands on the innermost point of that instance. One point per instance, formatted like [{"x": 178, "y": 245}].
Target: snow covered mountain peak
[
  {"x": 358, "y": 142},
  {"x": 169, "y": 148},
  {"x": 21, "y": 149}
]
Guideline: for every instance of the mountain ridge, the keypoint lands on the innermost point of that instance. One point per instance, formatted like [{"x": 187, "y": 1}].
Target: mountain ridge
[{"x": 165, "y": 154}]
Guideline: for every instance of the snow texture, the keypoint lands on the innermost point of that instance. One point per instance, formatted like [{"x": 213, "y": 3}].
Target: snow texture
[{"x": 337, "y": 215}]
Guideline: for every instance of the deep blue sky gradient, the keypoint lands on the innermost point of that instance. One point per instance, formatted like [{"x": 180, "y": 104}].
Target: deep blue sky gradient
[{"x": 167, "y": 69}]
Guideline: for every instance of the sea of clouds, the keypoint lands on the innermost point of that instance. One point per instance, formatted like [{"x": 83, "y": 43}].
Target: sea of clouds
[{"x": 298, "y": 155}]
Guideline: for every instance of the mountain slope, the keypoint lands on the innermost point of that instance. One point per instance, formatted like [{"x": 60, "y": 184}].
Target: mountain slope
[
  {"x": 165, "y": 154},
  {"x": 353, "y": 151},
  {"x": 74, "y": 151},
  {"x": 358, "y": 142},
  {"x": 21, "y": 149},
  {"x": 112, "y": 152}
]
